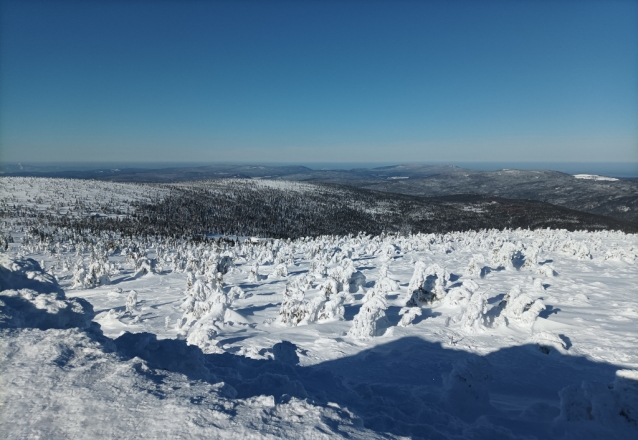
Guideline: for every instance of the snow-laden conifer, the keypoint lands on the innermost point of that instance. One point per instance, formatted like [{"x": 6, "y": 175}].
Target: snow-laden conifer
[{"x": 371, "y": 319}]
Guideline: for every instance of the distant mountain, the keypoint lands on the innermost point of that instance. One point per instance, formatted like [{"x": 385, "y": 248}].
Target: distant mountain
[
  {"x": 614, "y": 198},
  {"x": 617, "y": 198}
]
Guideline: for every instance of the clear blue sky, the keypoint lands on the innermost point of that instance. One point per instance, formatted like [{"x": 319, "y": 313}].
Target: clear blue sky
[{"x": 319, "y": 81}]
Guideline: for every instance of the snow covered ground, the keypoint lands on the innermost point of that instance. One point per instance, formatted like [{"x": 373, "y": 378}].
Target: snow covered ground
[
  {"x": 75, "y": 197},
  {"x": 482, "y": 335}
]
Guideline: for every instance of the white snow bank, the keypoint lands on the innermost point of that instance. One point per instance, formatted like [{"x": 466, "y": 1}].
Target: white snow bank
[
  {"x": 594, "y": 177},
  {"x": 30, "y": 297}
]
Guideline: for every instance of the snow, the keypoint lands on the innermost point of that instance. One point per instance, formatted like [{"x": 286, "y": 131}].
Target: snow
[
  {"x": 594, "y": 177},
  {"x": 486, "y": 334}
]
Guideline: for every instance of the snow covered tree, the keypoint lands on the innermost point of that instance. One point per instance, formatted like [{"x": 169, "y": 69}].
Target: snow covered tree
[
  {"x": 253, "y": 275},
  {"x": 131, "y": 301},
  {"x": 519, "y": 308},
  {"x": 408, "y": 315},
  {"x": 370, "y": 320},
  {"x": 333, "y": 309},
  {"x": 293, "y": 308},
  {"x": 473, "y": 317},
  {"x": 475, "y": 267}
]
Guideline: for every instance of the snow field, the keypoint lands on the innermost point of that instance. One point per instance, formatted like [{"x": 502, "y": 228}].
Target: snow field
[
  {"x": 486, "y": 334},
  {"x": 75, "y": 197}
]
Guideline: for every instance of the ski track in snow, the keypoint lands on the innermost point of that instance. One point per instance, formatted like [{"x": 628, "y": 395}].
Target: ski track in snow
[{"x": 469, "y": 365}]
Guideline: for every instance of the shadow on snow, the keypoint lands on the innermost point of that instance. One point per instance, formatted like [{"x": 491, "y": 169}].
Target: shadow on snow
[{"x": 405, "y": 387}]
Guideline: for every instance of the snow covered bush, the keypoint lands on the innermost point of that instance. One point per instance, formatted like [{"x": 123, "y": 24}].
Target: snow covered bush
[
  {"x": 329, "y": 287},
  {"x": 388, "y": 251},
  {"x": 95, "y": 275},
  {"x": 281, "y": 271},
  {"x": 408, "y": 315},
  {"x": 427, "y": 285},
  {"x": 253, "y": 275},
  {"x": 5, "y": 239},
  {"x": 621, "y": 254},
  {"x": 531, "y": 258},
  {"x": 202, "y": 334},
  {"x": 333, "y": 309},
  {"x": 371, "y": 319},
  {"x": 504, "y": 256},
  {"x": 475, "y": 267},
  {"x": 474, "y": 315},
  {"x": 418, "y": 277},
  {"x": 346, "y": 275},
  {"x": 384, "y": 282},
  {"x": 131, "y": 302},
  {"x": 205, "y": 311},
  {"x": 295, "y": 310},
  {"x": 237, "y": 292},
  {"x": 583, "y": 253},
  {"x": 145, "y": 265},
  {"x": 518, "y": 307},
  {"x": 356, "y": 282},
  {"x": 460, "y": 296},
  {"x": 224, "y": 265},
  {"x": 546, "y": 270},
  {"x": 546, "y": 341}
]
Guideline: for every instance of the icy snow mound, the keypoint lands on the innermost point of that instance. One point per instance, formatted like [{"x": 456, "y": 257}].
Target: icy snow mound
[
  {"x": 25, "y": 273},
  {"x": 30, "y": 297}
]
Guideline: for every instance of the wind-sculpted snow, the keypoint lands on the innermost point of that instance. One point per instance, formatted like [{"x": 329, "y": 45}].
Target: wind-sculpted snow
[
  {"x": 478, "y": 334},
  {"x": 31, "y": 298}
]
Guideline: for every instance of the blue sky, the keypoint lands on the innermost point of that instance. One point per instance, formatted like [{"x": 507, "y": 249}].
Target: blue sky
[{"x": 319, "y": 81}]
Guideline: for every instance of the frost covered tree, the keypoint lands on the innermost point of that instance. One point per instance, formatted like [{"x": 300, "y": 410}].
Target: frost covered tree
[
  {"x": 281, "y": 271},
  {"x": 385, "y": 283},
  {"x": 293, "y": 308},
  {"x": 253, "y": 275},
  {"x": 370, "y": 320},
  {"x": 408, "y": 315},
  {"x": 237, "y": 292},
  {"x": 205, "y": 310},
  {"x": 79, "y": 276},
  {"x": 145, "y": 265},
  {"x": 131, "y": 301},
  {"x": 474, "y": 316},
  {"x": 95, "y": 275},
  {"x": 475, "y": 267},
  {"x": 531, "y": 258},
  {"x": 504, "y": 255},
  {"x": 5, "y": 240},
  {"x": 333, "y": 309},
  {"x": 546, "y": 270},
  {"x": 427, "y": 285},
  {"x": 519, "y": 308}
]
